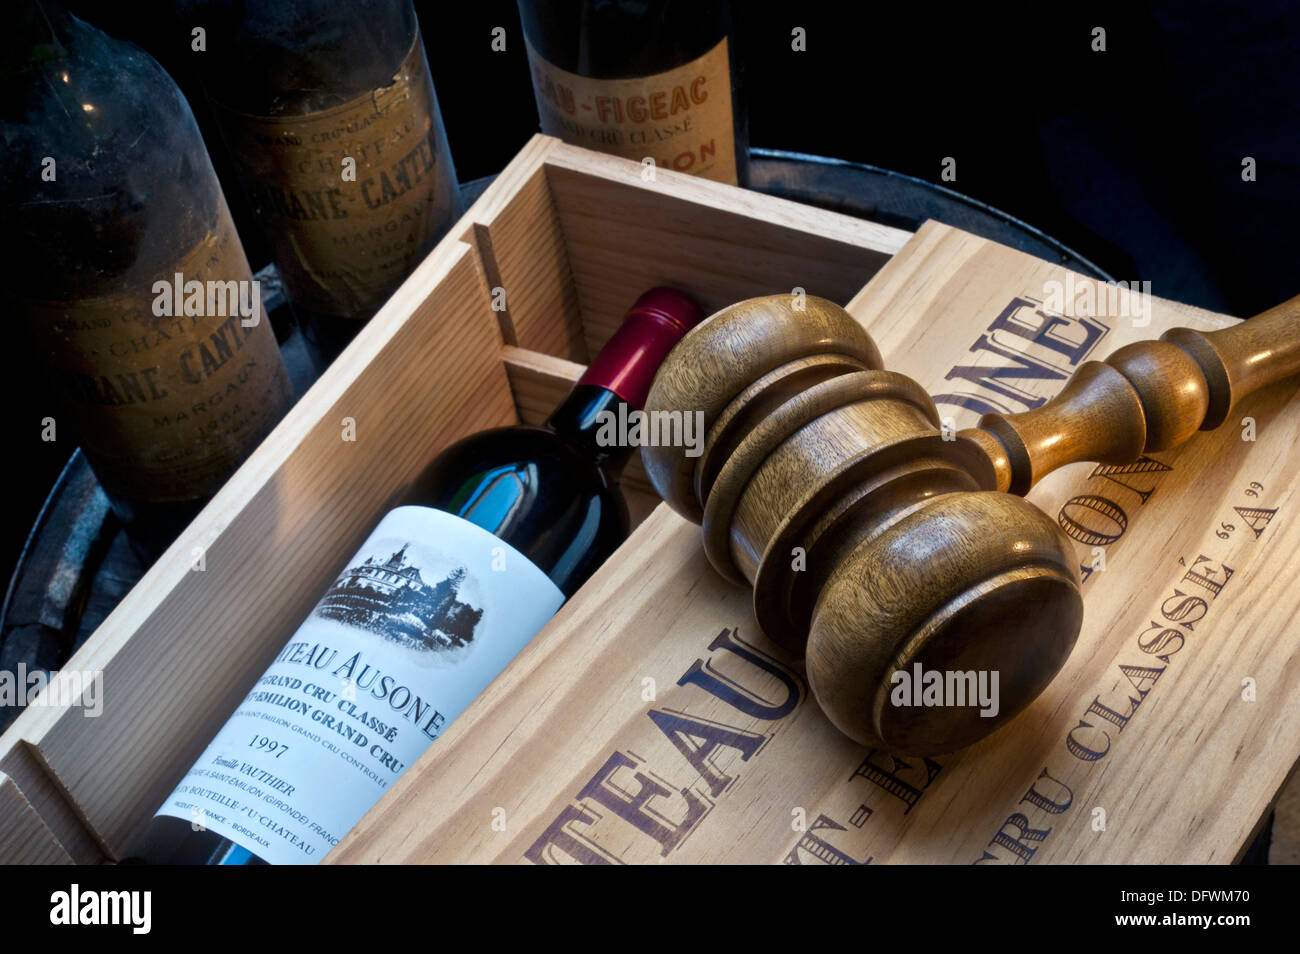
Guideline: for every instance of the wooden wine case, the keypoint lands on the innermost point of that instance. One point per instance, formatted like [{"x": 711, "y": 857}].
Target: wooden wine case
[{"x": 650, "y": 720}]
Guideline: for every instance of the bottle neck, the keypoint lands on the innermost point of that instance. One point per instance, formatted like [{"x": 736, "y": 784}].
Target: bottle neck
[
  {"x": 589, "y": 419},
  {"x": 596, "y": 417},
  {"x": 628, "y": 362}
]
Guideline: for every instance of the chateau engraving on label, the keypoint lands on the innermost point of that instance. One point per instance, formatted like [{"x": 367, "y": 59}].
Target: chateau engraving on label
[
  {"x": 165, "y": 405},
  {"x": 391, "y": 598},
  {"x": 681, "y": 118},
  {"x": 343, "y": 243},
  {"x": 416, "y": 625}
]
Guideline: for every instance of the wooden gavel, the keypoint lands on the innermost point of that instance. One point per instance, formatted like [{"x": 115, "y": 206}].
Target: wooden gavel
[{"x": 873, "y": 541}]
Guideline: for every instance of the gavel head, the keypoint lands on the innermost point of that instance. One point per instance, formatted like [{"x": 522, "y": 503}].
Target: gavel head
[{"x": 875, "y": 544}]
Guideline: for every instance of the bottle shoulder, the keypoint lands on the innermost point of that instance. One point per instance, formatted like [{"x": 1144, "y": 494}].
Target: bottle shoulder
[
  {"x": 521, "y": 444},
  {"x": 291, "y": 59},
  {"x": 130, "y": 185},
  {"x": 533, "y": 471},
  {"x": 531, "y": 488}
]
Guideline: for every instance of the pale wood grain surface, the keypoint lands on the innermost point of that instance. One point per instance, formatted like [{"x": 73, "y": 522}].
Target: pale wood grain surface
[
  {"x": 719, "y": 243},
  {"x": 523, "y": 251},
  {"x": 567, "y": 735},
  {"x": 184, "y": 646},
  {"x": 25, "y": 836},
  {"x": 654, "y": 678}
]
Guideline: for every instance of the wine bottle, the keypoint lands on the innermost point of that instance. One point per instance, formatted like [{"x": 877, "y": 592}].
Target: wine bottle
[
  {"x": 489, "y": 541},
  {"x": 124, "y": 267},
  {"x": 655, "y": 79},
  {"x": 334, "y": 128}
]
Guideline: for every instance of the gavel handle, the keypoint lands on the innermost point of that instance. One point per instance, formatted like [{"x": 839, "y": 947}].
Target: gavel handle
[{"x": 1147, "y": 396}]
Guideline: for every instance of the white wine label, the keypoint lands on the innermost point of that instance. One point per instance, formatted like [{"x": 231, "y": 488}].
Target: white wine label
[
  {"x": 682, "y": 118},
  {"x": 429, "y": 611}
]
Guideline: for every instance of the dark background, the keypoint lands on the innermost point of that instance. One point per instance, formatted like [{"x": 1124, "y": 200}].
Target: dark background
[{"x": 1132, "y": 156}]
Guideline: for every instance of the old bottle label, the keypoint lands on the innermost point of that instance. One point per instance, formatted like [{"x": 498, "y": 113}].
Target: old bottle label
[
  {"x": 353, "y": 197},
  {"x": 169, "y": 386},
  {"x": 426, "y": 614},
  {"x": 681, "y": 119}
]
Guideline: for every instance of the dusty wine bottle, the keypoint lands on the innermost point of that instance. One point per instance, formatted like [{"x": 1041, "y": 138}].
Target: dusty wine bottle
[
  {"x": 330, "y": 116},
  {"x": 128, "y": 277},
  {"x": 651, "y": 79},
  {"x": 490, "y": 540}
]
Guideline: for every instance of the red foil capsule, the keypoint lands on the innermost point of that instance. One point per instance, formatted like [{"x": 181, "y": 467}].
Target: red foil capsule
[{"x": 628, "y": 362}]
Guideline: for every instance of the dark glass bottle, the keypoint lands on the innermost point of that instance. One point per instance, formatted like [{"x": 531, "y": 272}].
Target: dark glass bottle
[
  {"x": 642, "y": 78},
  {"x": 330, "y": 116},
  {"x": 491, "y": 538},
  {"x": 126, "y": 272}
]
